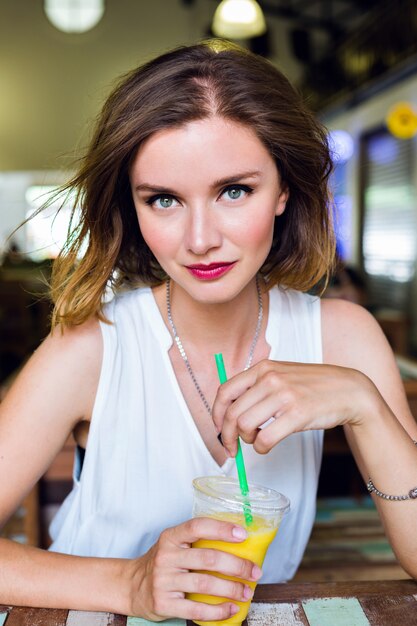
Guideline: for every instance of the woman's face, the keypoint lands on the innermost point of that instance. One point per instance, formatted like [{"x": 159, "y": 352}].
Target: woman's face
[{"x": 206, "y": 196}]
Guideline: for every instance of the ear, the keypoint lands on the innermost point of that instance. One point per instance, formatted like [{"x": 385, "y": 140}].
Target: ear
[{"x": 282, "y": 201}]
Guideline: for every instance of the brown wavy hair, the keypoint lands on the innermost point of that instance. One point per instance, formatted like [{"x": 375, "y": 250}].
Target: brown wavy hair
[{"x": 190, "y": 83}]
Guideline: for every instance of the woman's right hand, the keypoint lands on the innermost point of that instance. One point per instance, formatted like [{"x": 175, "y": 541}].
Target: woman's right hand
[{"x": 170, "y": 569}]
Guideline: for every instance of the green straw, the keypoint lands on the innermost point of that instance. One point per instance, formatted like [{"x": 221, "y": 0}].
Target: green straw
[{"x": 240, "y": 464}]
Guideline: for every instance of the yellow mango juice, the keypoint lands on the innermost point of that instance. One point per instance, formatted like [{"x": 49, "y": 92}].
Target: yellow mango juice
[{"x": 260, "y": 535}]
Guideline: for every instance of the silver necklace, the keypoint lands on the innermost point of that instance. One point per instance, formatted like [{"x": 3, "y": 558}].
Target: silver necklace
[{"x": 184, "y": 354}]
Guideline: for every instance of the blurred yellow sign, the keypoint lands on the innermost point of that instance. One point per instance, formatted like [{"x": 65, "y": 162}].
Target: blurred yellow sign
[{"x": 402, "y": 120}]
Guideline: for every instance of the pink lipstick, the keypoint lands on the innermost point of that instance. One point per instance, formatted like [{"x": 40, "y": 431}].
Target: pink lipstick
[{"x": 210, "y": 271}]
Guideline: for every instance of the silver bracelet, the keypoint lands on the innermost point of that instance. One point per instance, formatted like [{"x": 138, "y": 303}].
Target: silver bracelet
[{"x": 411, "y": 495}]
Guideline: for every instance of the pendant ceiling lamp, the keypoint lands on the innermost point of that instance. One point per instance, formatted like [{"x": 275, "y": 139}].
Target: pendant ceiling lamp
[
  {"x": 74, "y": 16},
  {"x": 238, "y": 19}
]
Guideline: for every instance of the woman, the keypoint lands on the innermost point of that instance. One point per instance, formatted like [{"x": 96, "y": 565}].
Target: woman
[{"x": 206, "y": 181}]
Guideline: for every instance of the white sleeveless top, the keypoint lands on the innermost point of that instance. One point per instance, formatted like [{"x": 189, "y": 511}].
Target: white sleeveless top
[{"x": 144, "y": 448}]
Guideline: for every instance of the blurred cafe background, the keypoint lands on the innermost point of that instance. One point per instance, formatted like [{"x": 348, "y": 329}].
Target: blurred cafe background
[{"x": 355, "y": 61}]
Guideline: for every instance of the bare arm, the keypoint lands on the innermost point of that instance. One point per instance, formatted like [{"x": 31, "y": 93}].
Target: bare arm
[
  {"x": 382, "y": 441},
  {"x": 34, "y": 577},
  {"x": 53, "y": 392}
]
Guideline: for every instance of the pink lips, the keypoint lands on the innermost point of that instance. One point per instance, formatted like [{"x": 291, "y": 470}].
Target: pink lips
[{"x": 211, "y": 271}]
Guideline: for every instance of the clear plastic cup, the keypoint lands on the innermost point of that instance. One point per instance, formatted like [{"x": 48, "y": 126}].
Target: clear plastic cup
[{"x": 220, "y": 497}]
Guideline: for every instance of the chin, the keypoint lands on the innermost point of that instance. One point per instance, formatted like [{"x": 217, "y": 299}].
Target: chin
[{"x": 214, "y": 292}]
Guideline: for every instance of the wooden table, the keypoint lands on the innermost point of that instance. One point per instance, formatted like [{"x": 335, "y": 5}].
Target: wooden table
[{"x": 385, "y": 603}]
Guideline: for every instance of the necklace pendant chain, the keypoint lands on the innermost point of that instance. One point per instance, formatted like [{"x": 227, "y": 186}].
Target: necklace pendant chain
[{"x": 184, "y": 354}]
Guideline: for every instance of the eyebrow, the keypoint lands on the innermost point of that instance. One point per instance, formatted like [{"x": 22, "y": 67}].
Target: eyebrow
[{"x": 218, "y": 183}]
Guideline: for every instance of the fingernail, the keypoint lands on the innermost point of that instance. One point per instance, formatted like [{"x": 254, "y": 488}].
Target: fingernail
[
  {"x": 247, "y": 593},
  {"x": 239, "y": 532},
  {"x": 234, "y": 609},
  {"x": 256, "y": 572}
]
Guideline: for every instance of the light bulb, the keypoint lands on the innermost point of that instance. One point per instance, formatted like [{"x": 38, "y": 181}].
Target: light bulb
[
  {"x": 238, "y": 19},
  {"x": 74, "y": 16}
]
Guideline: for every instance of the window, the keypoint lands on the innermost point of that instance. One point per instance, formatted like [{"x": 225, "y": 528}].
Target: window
[
  {"x": 389, "y": 236},
  {"x": 47, "y": 231}
]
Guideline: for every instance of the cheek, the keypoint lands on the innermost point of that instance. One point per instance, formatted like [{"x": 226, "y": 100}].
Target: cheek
[
  {"x": 159, "y": 237},
  {"x": 257, "y": 233}
]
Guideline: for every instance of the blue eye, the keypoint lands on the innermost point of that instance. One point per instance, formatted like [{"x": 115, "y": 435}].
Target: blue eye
[
  {"x": 236, "y": 192},
  {"x": 166, "y": 201}
]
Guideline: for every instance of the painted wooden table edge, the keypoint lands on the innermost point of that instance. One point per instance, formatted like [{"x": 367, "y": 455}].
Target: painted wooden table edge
[{"x": 290, "y": 592}]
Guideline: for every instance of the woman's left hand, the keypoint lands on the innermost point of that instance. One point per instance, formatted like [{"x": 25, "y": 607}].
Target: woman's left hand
[{"x": 298, "y": 396}]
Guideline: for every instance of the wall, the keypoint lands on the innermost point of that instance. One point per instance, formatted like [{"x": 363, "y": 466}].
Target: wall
[{"x": 52, "y": 83}]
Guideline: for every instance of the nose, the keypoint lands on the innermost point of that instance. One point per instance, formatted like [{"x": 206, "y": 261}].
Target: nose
[{"x": 203, "y": 232}]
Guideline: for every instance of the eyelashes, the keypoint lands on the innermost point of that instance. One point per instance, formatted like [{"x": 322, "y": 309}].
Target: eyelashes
[
  {"x": 162, "y": 196},
  {"x": 169, "y": 199},
  {"x": 244, "y": 188}
]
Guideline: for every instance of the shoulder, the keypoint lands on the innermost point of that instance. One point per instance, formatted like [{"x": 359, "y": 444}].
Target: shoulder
[
  {"x": 84, "y": 339},
  {"x": 350, "y": 333},
  {"x": 67, "y": 367},
  {"x": 78, "y": 348},
  {"x": 335, "y": 310},
  {"x": 353, "y": 338}
]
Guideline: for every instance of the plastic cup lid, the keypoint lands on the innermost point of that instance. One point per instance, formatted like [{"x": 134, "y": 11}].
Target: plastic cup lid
[{"x": 227, "y": 490}]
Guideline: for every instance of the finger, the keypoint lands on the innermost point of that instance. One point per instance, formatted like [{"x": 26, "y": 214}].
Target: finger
[
  {"x": 266, "y": 399},
  {"x": 187, "y": 609},
  {"x": 275, "y": 432},
  {"x": 229, "y": 391},
  {"x": 235, "y": 390},
  {"x": 196, "y": 582},
  {"x": 213, "y": 560},
  {"x": 247, "y": 423},
  {"x": 205, "y": 528}
]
